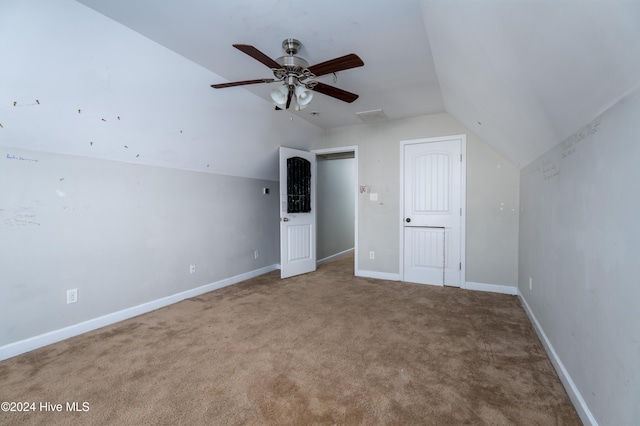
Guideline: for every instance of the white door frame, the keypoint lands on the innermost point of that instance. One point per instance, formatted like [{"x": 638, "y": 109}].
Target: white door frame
[
  {"x": 338, "y": 150},
  {"x": 463, "y": 201}
]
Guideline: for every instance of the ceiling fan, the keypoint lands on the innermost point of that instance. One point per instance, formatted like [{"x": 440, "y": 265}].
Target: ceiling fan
[{"x": 297, "y": 77}]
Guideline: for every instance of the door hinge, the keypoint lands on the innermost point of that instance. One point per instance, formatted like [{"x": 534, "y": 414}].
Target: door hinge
[
  {"x": 461, "y": 158},
  {"x": 461, "y": 266},
  {"x": 460, "y": 211}
]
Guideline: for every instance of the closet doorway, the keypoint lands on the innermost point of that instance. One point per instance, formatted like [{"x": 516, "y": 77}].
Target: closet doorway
[{"x": 337, "y": 203}]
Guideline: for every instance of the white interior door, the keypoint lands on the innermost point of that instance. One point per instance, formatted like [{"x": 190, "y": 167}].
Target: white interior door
[
  {"x": 297, "y": 212},
  {"x": 433, "y": 221}
]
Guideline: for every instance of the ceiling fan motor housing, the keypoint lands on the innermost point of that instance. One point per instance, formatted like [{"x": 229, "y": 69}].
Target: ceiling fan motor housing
[
  {"x": 292, "y": 63},
  {"x": 294, "y": 69}
]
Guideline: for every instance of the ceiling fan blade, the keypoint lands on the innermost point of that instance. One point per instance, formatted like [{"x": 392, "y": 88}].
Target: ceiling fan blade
[
  {"x": 242, "y": 83},
  {"x": 338, "y": 64},
  {"x": 334, "y": 92},
  {"x": 257, "y": 55}
]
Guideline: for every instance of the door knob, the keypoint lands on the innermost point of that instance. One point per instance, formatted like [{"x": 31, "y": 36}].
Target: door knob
[
  {"x": 285, "y": 219},
  {"x": 408, "y": 219}
]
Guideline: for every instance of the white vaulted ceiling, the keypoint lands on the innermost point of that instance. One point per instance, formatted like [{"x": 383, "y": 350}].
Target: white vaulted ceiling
[
  {"x": 532, "y": 72},
  {"x": 522, "y": 74},
  {"x": 389, "y": 36}
]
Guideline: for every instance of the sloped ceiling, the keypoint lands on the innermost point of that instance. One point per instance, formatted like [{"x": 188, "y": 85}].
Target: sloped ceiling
[
  {"x": 522, "y": 74},
  {"x": 525, "y": 75},
  {"x": 389, "y": 36}
]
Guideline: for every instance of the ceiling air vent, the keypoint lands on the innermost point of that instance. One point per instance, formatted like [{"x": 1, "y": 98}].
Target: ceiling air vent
[{"x": 375, "y": 115}]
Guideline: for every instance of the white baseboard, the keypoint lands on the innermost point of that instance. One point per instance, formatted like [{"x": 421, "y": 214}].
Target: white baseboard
[
  {"x": 334, "y": 256},
  {"x": 377, "y": 275},
  {"x": 493, "y": 288},
  {"x": 26, "y": 345},
  {"x": 571, "y": 388}
]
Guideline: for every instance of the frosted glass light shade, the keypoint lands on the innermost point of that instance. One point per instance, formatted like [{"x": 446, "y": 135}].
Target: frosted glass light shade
[
  {"x": 280, "y": 95},
  {"x": 303, "y": 96}
]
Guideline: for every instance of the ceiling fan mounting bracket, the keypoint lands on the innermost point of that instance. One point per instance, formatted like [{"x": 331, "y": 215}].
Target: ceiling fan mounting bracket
[{"x": 291, "y": 46}]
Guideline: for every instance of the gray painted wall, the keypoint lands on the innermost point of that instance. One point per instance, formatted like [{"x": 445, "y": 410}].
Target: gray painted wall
[
  {"x": 492, "y": 196},
  {"x": 121, "y": 234},
  {"x": 336, "y": 205},
  {"x": 579, "y": 242}
]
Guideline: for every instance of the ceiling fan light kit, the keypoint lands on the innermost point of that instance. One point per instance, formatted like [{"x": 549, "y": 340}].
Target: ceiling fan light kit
[{"x": 297, "y": 77}]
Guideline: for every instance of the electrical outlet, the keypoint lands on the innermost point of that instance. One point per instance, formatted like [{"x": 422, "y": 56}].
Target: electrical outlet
[
  {"x": 72, "y": 295},
  {"x": 255, "y": 254},
  {"x": 192, "y": 269},
  {"x": 372, "y": 255},
  {"x": 530, "y": 283},
  {"x": 373, "y": 196}
]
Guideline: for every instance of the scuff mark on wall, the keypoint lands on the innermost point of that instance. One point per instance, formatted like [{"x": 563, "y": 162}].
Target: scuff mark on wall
[
  {"x": 20, "y": 158},
  {"x": 550, "y": 166},
  {"x": 571, "y": 144},
  {"x": 20, "y": 216},
  {"x": 16, "y": 104}
]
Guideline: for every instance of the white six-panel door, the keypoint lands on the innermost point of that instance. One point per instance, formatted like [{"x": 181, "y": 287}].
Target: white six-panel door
[{"x": 433, "y": 221}]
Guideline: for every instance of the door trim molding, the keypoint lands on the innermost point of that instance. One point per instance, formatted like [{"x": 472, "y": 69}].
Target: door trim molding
[{"x": 463, "y": 201}]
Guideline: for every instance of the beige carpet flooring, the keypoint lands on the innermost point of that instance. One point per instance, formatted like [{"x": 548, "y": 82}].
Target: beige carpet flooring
[{"x": 319, "y": 349}]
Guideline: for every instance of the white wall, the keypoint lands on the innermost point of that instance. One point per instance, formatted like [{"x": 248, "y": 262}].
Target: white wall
[
  {"x": 492, "y": 196},
  {"x": 81, "y": 90},
  {"x": 336, "y": 205},
  {"x": 122, "y": 234},
  {"x": 579, "y": 243}
]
